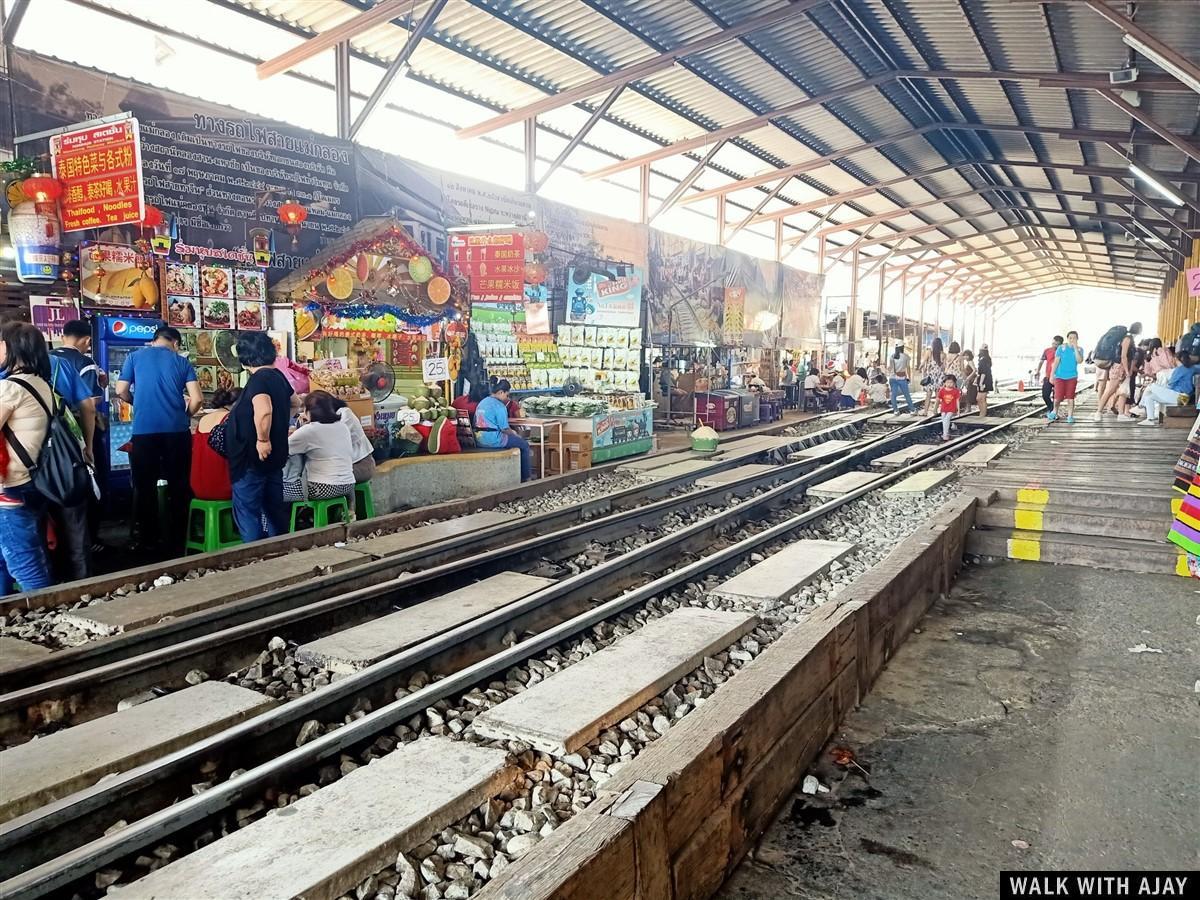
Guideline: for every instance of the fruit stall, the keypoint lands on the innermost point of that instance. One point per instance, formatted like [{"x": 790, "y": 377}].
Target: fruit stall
[{"x": 380, "y": 325}]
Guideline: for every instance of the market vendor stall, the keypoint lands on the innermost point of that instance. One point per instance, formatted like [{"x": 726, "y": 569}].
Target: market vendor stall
[
  {"x": 382, "y": 326},
  {"x": 597, "y": 427}
]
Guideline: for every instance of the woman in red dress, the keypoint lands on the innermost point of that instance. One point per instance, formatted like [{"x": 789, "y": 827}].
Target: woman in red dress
[{"x": 210, "y": 470}]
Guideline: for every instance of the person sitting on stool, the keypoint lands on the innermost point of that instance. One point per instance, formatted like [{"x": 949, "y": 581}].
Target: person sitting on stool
[{"x": 492, "y": 429}]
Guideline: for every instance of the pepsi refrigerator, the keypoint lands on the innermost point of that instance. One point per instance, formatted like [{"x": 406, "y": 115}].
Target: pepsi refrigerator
[{"x": 116, "y": 338}]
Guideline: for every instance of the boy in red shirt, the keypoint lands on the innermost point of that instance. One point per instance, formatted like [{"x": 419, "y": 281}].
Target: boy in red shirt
[{"x": 948, "y": 398}]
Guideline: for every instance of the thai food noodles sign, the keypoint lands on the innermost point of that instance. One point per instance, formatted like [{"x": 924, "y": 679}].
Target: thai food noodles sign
[
  {"x": 597, "y": 299},
  {"x": 101, "y": 174}
]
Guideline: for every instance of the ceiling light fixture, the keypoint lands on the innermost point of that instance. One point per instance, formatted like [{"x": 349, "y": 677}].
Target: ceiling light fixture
[
  {"x": 1157, "y": 186},
  {"x": 1162, "y": 62}
]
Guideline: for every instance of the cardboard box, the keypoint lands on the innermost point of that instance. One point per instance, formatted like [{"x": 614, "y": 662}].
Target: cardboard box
[
  {"x": 364, "y": 410},
  {"x": 579, "y": 459},
  {"x": 578, "y": 440}
]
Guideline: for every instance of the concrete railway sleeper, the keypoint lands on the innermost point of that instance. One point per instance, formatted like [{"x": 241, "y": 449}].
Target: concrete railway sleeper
[
  {"x": 81, "y": 683},
  {"x": 570, "y": 486},
  {"x": 55, "y": 830},
  {"x": 629, "y": 506}
]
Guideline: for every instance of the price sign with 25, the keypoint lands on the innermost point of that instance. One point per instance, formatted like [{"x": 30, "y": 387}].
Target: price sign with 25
[{"x": 436, "y": 368}]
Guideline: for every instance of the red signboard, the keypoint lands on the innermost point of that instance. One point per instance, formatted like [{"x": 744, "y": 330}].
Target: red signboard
[
  {"x": 493, "y": 263},
  {"x": 101, "y": 172}
]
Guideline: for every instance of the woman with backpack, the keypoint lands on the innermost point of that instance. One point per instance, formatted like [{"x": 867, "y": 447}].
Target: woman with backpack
[
  {"x": 1112, "y": 355},
  {"x": 24, "y": 421}
]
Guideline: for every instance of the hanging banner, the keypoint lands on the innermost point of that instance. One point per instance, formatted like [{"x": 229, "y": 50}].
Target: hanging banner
[
  {"x": 537, "y": 309},
  {"x": 222, "y": 180},
  {"x": 49, "y": 314},
  {"x": 494, "y": 264},
  {"x": 735, "y": 315},
  {"x": 101, "y": 172},
  {"x": 596, "y": 299}
]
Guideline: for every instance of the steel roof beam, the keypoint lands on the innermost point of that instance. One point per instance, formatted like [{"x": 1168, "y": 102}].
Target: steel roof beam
[
  {"x": 1047, "y": 79},
  {"x": 638, "y": 70},
  {"x": 1187, "y": 149},
  {"x": 382, "y": 12},
  {"x": 397, "y": 65},
  {"x": 822, "y": 161},
  {"x": 577, "y": 138},
  {"x": 932, "y": 226},
  {"x": 903, "y": 211},
  {"x": 1129, "y": 27},
  {"x": 844, "y": 196},
  {"x": 685, "y": 183},
  {"x": 767, "y": 198}
]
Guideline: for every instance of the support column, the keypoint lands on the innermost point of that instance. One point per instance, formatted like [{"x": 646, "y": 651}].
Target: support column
[
  {"x": 881, "y": 354},
  {"x": 531, "y": 154},
  {"x": 852, "y": 312},
  {"x": 341, "y": 87},
  {"x": 920, "y": 341},
  {"x": 644, "y": 194},
  {"x": 903, "y": 300},
  {"x": 721, "y": 222}
]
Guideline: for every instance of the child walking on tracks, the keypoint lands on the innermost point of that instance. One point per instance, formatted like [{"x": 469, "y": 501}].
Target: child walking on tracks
[{"x": 948, "y": 398}]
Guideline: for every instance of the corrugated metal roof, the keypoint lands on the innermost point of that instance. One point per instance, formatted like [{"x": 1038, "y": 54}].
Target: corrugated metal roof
[{"x": 509, "y": 53}]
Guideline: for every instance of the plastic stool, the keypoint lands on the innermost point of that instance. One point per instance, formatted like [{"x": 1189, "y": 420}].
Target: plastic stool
[
  {"x": 217, "y": 529},
  {"x": 364, "y": 503},
  {"x": 321, "y": 509}
]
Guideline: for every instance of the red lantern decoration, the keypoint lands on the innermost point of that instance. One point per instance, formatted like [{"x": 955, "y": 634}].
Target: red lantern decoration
[
  {"x": 152, "y": 217},
  {"x": 535, "y": 273},
  {"x": 537, "y": 242},
  {"x": 292, "y": 215},
  {"x": 42, "y": 188}
]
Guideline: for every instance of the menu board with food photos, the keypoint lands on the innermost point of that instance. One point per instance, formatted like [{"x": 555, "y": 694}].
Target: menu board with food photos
[{"x": 250, "y": 293}]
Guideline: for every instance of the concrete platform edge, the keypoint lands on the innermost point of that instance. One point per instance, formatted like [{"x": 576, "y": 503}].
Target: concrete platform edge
[{"x": 679, "y": 818}]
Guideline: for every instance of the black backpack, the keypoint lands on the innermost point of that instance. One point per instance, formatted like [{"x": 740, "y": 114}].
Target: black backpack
[
  {"x": 1110, "y": 344},
  {"x": 60, "y": 473}
]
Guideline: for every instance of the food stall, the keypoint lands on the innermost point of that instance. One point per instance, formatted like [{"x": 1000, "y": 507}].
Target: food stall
[
  {"x": 374, "y": 318},
  {"x": 597, "y": 427}
]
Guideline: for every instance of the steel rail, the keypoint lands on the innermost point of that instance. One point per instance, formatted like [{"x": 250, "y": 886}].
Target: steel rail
[
  {"x": 48, "y": 827},
  {"x": 488, "y": 539}
]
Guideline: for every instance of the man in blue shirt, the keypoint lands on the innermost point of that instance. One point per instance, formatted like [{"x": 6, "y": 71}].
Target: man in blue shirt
[
  {"x": 492, "y": 429},
  {"x": 162, "y": 439},
  {"x": 1180, "y": 383}
]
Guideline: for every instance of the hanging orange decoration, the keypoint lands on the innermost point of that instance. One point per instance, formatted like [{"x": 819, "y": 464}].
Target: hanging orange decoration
[
  {"x": 340, "y": 283},
  {"x": 438, "y": 289},
  {"x": 292, "y": 215},
  {"x": 535, "y": 273},
  {"x": 537, "y": 242},
  {"x": 362, "y": 267}
]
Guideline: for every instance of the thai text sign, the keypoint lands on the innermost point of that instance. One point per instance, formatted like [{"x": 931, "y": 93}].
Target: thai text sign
[{"x": 101, "y": 172}]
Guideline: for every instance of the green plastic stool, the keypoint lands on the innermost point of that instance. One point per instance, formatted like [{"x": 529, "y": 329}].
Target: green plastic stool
[
  {"x": 211, "y": 526},
  {"x": 321, "y": 510},
  {"x": 364, "y": 503}
]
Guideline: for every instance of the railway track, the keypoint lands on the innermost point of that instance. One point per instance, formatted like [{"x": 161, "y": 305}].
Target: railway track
[{"x": 55, "y": 845}]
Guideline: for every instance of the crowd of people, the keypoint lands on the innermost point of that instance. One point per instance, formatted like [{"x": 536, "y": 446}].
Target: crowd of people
[
  {"x": 888, "y": 382},
  {"x": 257, "y": 447},
  {"x": 1136, "y": 380}
]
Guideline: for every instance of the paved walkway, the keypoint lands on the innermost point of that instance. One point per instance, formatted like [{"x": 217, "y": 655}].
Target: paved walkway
[{"x": 1017, "y": 714}]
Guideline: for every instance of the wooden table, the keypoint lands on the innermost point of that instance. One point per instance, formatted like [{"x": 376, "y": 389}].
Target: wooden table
[{"x": 542, "y": 425}]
